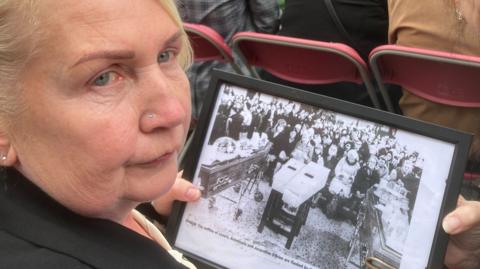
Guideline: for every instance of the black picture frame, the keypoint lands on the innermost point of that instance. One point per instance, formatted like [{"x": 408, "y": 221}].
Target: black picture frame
[{"x": 213, "y": 234}]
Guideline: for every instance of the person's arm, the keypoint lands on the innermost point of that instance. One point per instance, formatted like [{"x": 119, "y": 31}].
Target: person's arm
[
  {"x": 265, "y": 15},
  {"x": 463, "y": 224}
]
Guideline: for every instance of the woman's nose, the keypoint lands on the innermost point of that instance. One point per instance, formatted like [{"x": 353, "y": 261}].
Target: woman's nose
[
  {"x": 168, "y": 114},
  {"x": 165, "y": 103}
]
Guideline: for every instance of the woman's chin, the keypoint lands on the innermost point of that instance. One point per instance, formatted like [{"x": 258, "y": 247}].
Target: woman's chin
[{"x": 149, "y": 189}]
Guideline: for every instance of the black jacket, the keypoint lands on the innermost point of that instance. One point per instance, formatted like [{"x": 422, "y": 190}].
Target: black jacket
[
  {"x": 366, "y": 21},
  {"x": 37, "y": 232}
]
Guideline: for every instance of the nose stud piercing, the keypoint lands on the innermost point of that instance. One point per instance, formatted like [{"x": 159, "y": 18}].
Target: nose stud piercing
[{"x": 150, "y": 115}]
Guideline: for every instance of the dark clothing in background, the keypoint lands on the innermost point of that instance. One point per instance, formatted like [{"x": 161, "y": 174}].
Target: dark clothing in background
[
  {"x": 366, "y": 21},
  {"x": 364, "y": 180}
]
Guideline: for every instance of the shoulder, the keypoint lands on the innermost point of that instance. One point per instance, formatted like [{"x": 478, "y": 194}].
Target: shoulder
[{"x": 18, "y": 253}]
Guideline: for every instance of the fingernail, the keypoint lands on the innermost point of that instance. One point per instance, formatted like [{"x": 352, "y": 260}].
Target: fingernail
[
  {"x": 451, "y": 224},
  {"x": 193, "y": 193}
]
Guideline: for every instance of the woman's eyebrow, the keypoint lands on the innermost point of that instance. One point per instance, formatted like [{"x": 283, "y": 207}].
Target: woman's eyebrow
[
  {"x": 174, "y": 38},
  {"x": 120, "y": 54},
  {"x": 106, "y": 54}
]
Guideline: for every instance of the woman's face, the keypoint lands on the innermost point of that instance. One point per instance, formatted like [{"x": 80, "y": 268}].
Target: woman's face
[
  {"x": 332, "y": 151},
  {"x": 393, "y": 175},
  {"x": 352, "y": 156},
  {"x": 327, "y": 140},
  {"x": 347, "y": 146},
  {"x": 372, "y": 162},
  {"x": 293, "y": 134},
  {"x": 280, "y": 127},
  {"x": 106, "y": 105},
  {"x": 381, "y": 167}
]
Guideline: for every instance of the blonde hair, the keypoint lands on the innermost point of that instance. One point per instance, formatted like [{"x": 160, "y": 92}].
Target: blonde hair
[
  {"x": 19, "y": 36},
  {"x": 185, "y": 57},
  {"x": 18, "y": 33}
]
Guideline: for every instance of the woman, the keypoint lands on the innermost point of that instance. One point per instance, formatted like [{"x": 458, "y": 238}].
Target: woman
[
  {"x": 94, "y": 110},
  {"x": 345, "y": 172},
  {"x": 330, "y": 159}
]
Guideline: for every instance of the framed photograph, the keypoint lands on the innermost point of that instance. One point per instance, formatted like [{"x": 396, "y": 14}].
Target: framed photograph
[{"x": 292, "y": 179}]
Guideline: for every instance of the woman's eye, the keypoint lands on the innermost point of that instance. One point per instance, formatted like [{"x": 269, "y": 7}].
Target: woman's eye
[
  {"x": 165, "y": 56},
  {"x": 105, "y": 79}
]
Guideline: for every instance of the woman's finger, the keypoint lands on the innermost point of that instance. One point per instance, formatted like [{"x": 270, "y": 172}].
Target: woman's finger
[
  {"x": 463, "y": 218},
  {"x": 181, "y": 190}
]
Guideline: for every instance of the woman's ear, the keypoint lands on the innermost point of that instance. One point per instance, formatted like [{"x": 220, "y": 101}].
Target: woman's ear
[{"x": 8, "y": 155}]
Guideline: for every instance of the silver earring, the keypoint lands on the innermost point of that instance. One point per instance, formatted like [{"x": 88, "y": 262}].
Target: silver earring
[{"x": 3, "y": 157}]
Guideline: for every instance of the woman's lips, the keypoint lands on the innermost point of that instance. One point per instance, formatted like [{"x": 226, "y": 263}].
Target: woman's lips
[{"x": 158, "y": 161}]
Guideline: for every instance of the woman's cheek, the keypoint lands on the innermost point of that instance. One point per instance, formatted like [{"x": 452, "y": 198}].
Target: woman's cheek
[{"x": 115, "y": 144}]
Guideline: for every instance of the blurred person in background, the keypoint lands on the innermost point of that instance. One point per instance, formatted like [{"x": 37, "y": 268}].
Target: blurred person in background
[
  {"x": 446, "y": 25},
  {"x": 450, "y": 26},
  {"x": 361, "y": 24},
  {"x": 227, "y": 17}
]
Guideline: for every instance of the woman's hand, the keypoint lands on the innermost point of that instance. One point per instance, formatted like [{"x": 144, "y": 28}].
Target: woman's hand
[
  {"x": 181, "y": 190},
  {"x": 463, "y": 224}
]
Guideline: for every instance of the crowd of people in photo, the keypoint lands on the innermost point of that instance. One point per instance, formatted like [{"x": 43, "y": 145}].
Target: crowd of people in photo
[{"x": 358, "y": 154}]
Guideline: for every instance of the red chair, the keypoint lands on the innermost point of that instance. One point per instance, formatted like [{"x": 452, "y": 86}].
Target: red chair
[
  {"x": 303, "y": 61},
  {"x": 441, "y": 77},
  {"x": 471, "y": 176},
  {"x": 208, "y": 45}
]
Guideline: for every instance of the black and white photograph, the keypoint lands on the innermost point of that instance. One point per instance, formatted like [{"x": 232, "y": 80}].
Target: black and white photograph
[{"x": 290, "y": 185}]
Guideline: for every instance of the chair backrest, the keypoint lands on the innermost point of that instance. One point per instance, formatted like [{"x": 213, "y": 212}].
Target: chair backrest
[
  {"x": 441, "y": 77},
  {"x": 471, "y": 176},
  {"x": 208, "y": 45},
  {"x": 303, "y": 61}
]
